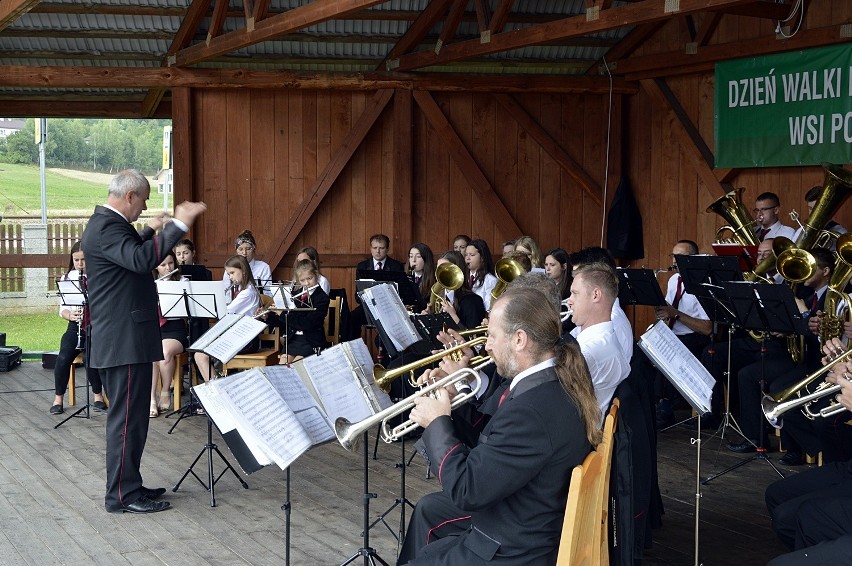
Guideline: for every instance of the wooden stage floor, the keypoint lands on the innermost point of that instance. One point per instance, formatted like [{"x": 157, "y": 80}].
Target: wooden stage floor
[{"x": 51, "y": 497}]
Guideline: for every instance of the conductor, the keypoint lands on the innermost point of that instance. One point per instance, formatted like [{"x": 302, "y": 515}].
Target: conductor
[{"x": 125, "y": 333}]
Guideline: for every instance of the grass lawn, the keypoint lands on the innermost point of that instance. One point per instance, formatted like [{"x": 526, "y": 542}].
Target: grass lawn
[
  {"x": 33, "y": 332},
  {"x": 20, "y": 192}
]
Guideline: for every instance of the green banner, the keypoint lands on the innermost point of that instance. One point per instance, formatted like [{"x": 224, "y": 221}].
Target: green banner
[{"x": 787, "y": 109}]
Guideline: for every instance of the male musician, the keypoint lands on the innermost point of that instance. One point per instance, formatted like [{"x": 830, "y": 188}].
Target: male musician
[
  {"x": 811, "y": 511},
  {"x": 623, "y": 330},
  {"x": 545, "y": 424},
  {"x": 766, "y": 214},
  {"x": 780, "y": 371},
  {"x": 811, "y": 198},
  {"x": 688, "y": 321},
  {"x": 379, "y": 261},
  {"x": 125, "y": 326},
  {"x": 593, "y": 292}
]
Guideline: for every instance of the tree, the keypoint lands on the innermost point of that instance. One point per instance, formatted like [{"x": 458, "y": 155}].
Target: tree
[{"x": 21, "y": 146}]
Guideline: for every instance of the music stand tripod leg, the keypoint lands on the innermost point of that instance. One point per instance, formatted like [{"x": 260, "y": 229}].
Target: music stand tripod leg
[
  {"x": 400, "y": 501},
  {"x": 81, "y": 409}
]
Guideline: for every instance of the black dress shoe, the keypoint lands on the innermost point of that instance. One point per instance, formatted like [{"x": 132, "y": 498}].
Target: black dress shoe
[
  {"x": 99, "y": 406},
  {"x": 141, "y": 505},
  {"x": 743, "y": 447},
  {"x": 152, "y": 493},
  {"x": 56, "y": 410},
  {"x": 791, "y": 459}
]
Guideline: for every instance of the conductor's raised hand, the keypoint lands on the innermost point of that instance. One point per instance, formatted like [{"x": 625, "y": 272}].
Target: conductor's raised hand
[
  {"x": 187, "y": 212},
  {"x": 157, "y": 221}
]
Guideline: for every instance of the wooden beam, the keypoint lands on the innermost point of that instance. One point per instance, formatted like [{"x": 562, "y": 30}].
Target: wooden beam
[
  {"x": 403, "y": 169},
  {"x": 182, "y": 143},
  {"x": 95, "y": 108},
  {"x": 261, "y": 10},
  {"x": 39, "y": 260},
  {"x": 304, "y": 16},
  {"x": 695, "y": 149},
  {"x": 550, "y": 146},
  {"x": 217, "y": 20},
  {"x": 467, "y": 164},
  {"x": 500, "y": 17},
  {"x": 451, "y": 24},
  {"x": 152, "y": 101},
  {"x": 635, "y": 14},
  {"x": 483, "y": 17},
  {"x": 108, "y": 9},
  {"x": 325, "y": 180},
  {"x": 708, "y": 29},
  {"x": 123, "y": 78},
  {"x": 678, "y": 62},
  {"x": 726, "y": 176},
  {"x": 11, "y": 10},
  {"x": 418, "y": 30}
]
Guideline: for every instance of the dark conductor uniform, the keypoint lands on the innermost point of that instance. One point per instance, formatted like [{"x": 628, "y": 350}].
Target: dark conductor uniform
[
  {"x": 513, "y": 485},
  {"x": 125, "y": 337}
]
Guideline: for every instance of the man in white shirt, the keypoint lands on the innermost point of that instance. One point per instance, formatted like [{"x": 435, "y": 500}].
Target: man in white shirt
[
  {"x": 766, "y": 210},
  {"x": 593, "y": 293}
]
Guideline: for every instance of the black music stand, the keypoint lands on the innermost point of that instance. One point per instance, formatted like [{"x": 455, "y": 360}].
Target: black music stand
[
  {"x": 407, "y": 289},
  {"x": 703, "y": 277},
  {"x": 639, "y": 287},
  {"x": 288, "y": 300},
  {"x": 768, "y": 308},
  {"x": 75, "y": 295}
]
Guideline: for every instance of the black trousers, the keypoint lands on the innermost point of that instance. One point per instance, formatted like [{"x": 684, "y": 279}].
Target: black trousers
[
  {"x": 434, "y": 517},
  {"x": 836, "y": 552},
  {"x": 802, "y": 506},
  {"x": 67, "y": 353},
  {"x": 749, "y": 379},
  {"x": 129, "y": 390}
]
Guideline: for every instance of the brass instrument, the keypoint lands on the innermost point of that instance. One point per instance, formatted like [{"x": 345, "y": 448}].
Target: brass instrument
[
  {"x": 449, "y": 278},
  {"x": 384, "y": 377},
  {"x": 507, "y": 269},
  {"x": 348, "y": 433},
  {"x": 836, "y": 188},
  {"x": 474, "y": 331},
  {"x": 774, "y": 406},
  {"x": 831, "y": 321},
  {"x": 740, "y": 224},
  {"x": 794, "y": 264},
  {"x": 567, "y": 313}
]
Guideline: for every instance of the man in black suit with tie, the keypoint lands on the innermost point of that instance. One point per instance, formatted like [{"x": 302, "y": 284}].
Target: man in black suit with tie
[
  {"x": 125, "y": 335},
  {"x": 379, "y": 261},
  {"x": 513, "y": 485}
]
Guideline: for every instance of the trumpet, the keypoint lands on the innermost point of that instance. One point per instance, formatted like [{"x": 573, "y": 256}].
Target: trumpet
[
  {"x": 774, "y": 406},
  {"x": 384, "y": 377},
  {"x": 348, "y": 432},
  {"x": 564, "y": 315}
]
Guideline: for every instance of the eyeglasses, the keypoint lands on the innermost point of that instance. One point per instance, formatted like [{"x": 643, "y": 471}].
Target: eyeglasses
[{"x": 765, "y": 209}]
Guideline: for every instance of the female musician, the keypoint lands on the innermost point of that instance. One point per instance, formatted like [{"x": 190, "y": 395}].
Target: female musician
[
  {"x": 245, "y": 246},
  {"x": 69, "y": 341},
  {"x": 245, "y": 300},
  {"x": 477, "y": 256},
  {"x": 310, "y": 252},
  {"x": 305, "y": 332},
  {"x": 185, "y": 252},
  {"x": 460, "y": 242},
  {"x": 185, "y": 255},
  {"x": 463, "y": 305},
  {"x": 527, "y": 245},
  {"x": 421, "y": 268},
  {"x": 556, "y": 268},
  {"x": 173, "y": 335}
]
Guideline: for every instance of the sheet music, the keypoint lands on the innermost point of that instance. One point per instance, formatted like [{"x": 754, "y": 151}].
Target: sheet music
[
  {"x": 211, "y": 399},
  {"x": 678, "y": 364},
  {"x": 278, "y": 296},
  {"x": 308, "y": 410},
  {"x": 336, "y": 385},
  {"x": 208, "y": 337},
  {"x": 229, "y": 343},
  {"x": 386, "y": 307},
  {"x": 361, "y": 356},
  {"x": 204, "y": 299},
  {"x": 70, "y": 292},
  {"x": 264, "y": 420}
]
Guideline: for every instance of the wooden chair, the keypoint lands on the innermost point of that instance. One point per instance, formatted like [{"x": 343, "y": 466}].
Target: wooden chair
[
  {"x": 72, "y": 391},
  {"x": 332, "y": 321},
  {"x": 584, "y": 538},
  {"x": 177, "y": 380}
]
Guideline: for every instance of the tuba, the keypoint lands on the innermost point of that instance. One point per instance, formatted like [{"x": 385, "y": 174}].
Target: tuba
[
  {"x": 507, "y": 269},
  {"x": 739, "y": 221},
  {"x": 836, "y": 188},
  {"x": 449, "y": 278}
]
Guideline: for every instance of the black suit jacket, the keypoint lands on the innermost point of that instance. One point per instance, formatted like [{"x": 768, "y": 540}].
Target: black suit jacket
[
  {"x": 389, "y": 264},
  {"x": 122, "y": 294},
  {"x": 309, "y": 323},
  {"x": 526, "y": 452}
]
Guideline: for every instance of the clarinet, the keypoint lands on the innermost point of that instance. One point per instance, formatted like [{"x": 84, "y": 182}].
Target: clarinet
[{"x": 83, "y": 312}]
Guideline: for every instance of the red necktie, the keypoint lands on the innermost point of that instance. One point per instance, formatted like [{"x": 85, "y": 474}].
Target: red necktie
[
  {"x": 235, "y": 290},
  {"x": 378, "y": 266},
  {"x": 814, "y": 303},
  {"x": 304, "y": 298},
  {"x": 763, "y": 233},
  {"x": 503, "y": 397},
  {"x": 678, "y": 295},
  {"x": 472, "y": 280}
]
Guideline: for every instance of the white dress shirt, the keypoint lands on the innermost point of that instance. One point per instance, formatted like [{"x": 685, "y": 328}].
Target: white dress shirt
[
  {"x": 778, "y": 229},
  {"x": 607, "y": 365},
  {"x": 484, "y": 289},
  {"x": 688, "y": 305}
]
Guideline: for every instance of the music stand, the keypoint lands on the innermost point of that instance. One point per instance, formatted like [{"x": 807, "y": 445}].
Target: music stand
[
  {"x": 407, "y": 289},
  {"x": 73, "y": 294},
  {"x": 288, "y": 305},
  {"x": 768, "y": 308},
  {"x": 639, "y": 287},
  {"x": 746, "y": 255},
  {"x": 703, "y": 277}
]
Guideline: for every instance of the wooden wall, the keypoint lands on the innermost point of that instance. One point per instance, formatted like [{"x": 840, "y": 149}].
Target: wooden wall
[{"x": 254, "y": 156}]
